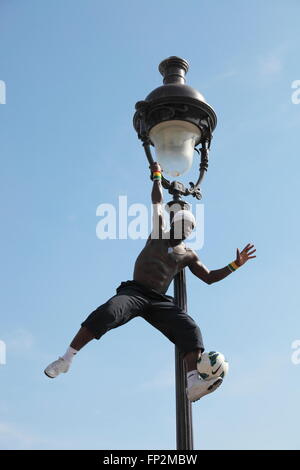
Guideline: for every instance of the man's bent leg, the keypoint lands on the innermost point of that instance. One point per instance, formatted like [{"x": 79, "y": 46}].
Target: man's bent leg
[
  {"x": 180, "y": 328},
  {"x": 183, "y": 331},
  {"x": 197, "y": 387},
  {"x": 191, "y": 359}
]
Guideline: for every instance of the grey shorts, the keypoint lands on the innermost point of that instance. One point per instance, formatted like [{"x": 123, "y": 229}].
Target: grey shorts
[{"x": 132, "y": 300}]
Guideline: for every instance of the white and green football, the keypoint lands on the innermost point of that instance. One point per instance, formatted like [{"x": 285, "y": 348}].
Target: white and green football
[{"x": 212, "y": 364}]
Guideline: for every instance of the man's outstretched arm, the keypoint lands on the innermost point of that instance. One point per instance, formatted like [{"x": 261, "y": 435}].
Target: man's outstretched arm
[{"x": 203, "y": 273}]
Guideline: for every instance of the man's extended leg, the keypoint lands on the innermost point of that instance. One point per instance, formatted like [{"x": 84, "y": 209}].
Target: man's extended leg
[
  {"x": 62, "y": 364},
  {"x": 83, "y": 337},
  {"x": 117, "y": 311}
]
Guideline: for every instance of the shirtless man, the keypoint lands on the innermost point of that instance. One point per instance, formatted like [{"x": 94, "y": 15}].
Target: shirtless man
[{"x": 163, "y": 256}]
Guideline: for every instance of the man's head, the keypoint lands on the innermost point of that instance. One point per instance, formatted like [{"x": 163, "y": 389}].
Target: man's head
[{"x": 182, "y": 225}]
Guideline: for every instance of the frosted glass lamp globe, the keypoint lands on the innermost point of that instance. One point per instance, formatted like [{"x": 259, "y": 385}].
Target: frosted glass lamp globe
[{"x": 174, "y": 143}]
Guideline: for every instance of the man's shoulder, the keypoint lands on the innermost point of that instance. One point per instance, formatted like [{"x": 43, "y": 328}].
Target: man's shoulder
[
  {"x": 188, "y": 248},
  {"x": 193, "y": 255}
]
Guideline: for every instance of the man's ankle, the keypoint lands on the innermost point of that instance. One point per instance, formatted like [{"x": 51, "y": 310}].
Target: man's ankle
[
  {"x": 69, "y": 354},
  {"x": 192, "y": 376}
]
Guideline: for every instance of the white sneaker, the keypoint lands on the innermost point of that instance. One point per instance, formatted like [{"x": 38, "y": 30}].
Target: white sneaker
[
  {"x": 56, "y": 367},
  {"x": 202, "y": 387}
]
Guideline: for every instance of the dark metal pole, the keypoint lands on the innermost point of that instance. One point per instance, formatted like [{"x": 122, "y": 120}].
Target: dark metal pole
[{"x": 184, "y": 418}]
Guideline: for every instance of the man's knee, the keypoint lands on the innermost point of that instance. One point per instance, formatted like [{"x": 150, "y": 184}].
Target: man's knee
[{"x": 103, "y": 316}]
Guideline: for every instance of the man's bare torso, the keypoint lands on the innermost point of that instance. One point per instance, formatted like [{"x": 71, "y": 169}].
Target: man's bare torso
[{"x": 155, "y": 267}]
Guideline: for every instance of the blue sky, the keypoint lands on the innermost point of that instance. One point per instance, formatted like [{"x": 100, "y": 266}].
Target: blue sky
[{"x": 73, "y": 73}]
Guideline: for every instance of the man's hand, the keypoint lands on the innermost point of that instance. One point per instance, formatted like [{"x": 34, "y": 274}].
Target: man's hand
[
  {"x": 244, "y": 255},
  {"x": 155, "y": 166}
]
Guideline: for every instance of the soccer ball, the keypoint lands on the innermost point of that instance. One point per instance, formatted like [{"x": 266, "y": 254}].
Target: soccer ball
[{"x": 212, "y": 364}]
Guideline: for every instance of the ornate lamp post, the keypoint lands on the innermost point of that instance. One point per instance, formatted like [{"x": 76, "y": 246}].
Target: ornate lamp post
[{"x": 174, "y": 119}]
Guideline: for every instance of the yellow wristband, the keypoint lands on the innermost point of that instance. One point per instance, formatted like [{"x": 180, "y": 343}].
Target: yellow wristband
[{"x": 233, "y": 266}]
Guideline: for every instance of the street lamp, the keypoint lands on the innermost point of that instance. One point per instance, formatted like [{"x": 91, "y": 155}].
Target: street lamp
[{"x": 174, "y": 119}]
